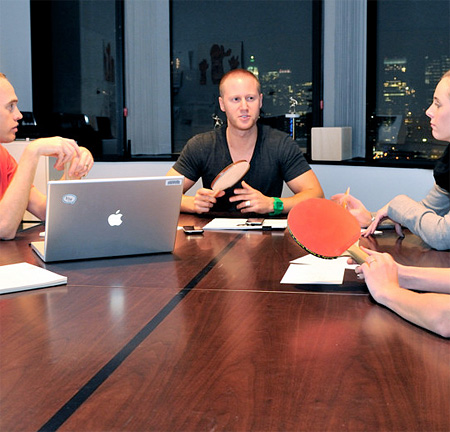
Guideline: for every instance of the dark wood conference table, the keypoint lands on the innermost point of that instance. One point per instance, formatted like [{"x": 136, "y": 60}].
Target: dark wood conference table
[{"x": 207, "y": 339}]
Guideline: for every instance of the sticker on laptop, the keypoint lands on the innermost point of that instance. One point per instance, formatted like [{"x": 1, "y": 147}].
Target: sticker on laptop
[
  {"x": 69, "y": 199},
  {"x": 173, "y": 182}
]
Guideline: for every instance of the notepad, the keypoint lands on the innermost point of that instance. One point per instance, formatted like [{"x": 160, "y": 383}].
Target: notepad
[{"x": 24, "y": 276}]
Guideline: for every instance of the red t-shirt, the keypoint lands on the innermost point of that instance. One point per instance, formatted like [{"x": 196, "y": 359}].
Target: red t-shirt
[{"x": 8, "y": 166}]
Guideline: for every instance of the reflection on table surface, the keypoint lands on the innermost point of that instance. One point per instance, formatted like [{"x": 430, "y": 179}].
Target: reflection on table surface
[{"x": 206, "y": 338}]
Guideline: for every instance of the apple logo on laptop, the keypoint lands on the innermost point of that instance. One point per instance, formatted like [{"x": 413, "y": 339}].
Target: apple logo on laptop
[{"x": 115, "y": 219}]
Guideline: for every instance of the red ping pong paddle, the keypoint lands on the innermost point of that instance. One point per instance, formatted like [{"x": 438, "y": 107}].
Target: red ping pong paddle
[
  {"x": 325, "y": 229},
  {"x": 230, "y": 175}
]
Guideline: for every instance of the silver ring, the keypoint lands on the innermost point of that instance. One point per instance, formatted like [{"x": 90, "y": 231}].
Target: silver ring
[{"x": 248, "y": 203}]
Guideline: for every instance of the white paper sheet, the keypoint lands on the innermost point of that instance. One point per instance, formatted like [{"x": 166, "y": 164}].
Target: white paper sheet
[
  {"x": 310, "y": 269},
  {"x": 239, "y": 224},
  {"x": 25, "y": 276}
]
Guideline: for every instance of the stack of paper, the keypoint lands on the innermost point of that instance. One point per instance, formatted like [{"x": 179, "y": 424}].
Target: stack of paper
[
  {"x": 24, "y": 276},
  {"x": 310, "y": 269},
  {"x": 240, "y": 224}
]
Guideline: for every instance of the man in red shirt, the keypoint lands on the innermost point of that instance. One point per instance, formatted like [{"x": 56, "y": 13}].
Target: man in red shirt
[{"x": 17, "y": 192}]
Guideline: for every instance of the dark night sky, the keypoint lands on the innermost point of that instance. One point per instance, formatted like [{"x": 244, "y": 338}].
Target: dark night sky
[
  {"x": 265, "y": 27},
  {"x": 410, "y": 28},
  {"x": 414, "y": 29},
  {"x": 279, "y": 33}
]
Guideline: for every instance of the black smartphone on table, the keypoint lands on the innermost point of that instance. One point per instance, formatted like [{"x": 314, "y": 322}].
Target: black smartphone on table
[{"x": 191, "y": 229}]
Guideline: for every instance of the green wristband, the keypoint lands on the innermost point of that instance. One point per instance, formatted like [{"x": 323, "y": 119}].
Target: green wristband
[{"x": 278, "y": 207}]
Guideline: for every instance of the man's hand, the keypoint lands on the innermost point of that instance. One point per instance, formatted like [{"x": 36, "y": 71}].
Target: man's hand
[
  {"x": 205, "y": 198},
  {"x": 80, "y": 165},
  {"x": 252, "y": 200},
  {"x": 63, "y": 149}
]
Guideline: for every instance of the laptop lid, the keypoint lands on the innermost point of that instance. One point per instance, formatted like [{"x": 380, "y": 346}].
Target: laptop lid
[{"x": 94, "y": 218}]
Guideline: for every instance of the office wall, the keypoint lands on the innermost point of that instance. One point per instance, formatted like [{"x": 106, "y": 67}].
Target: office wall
[
  {"x": 15, "y": 48},
  {"x": 375, "y": 186}
]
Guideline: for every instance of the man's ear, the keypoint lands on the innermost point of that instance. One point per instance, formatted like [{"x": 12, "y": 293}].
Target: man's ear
[
  {"x": 222, "y": 107},
  {"x": 260, "y": 100}
]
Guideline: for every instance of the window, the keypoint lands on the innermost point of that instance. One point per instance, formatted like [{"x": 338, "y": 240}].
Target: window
[
  {"x": 406, "y": 58},
  {"x": 170, "y": 91},
  {"x": 77, "y": 72},
  {"x": 273, "y": 39}
]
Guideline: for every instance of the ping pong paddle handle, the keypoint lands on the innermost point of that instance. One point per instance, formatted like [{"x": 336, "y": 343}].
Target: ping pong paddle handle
[{"x": 357, "y": 253}]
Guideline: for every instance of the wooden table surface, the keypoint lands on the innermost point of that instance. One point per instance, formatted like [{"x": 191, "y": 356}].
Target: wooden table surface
[{"x": 207, "y": 339}]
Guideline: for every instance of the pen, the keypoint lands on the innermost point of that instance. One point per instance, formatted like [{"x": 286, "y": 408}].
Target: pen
[{"x": 344, "y": 202}]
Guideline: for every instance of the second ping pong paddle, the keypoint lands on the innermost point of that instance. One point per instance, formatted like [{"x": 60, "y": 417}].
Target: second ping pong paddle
[
  {"x": 325, "y": 229},
  {"x": 230, "y": 175}
]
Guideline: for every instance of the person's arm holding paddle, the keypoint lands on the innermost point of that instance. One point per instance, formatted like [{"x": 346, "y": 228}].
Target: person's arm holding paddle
[
  {"x": 203, "y": 200},
  {"x": 390, "y": 283}
]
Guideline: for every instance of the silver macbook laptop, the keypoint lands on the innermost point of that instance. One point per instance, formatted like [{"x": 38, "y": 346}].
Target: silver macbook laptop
[{"x": 110, "y": 217}]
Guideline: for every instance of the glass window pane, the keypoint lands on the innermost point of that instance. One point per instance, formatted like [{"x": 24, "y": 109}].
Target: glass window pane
[
  {"x": 271, "y": 38},
  {"x": 412, "y": 53},
  {"x": 77, "y": 72}
]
